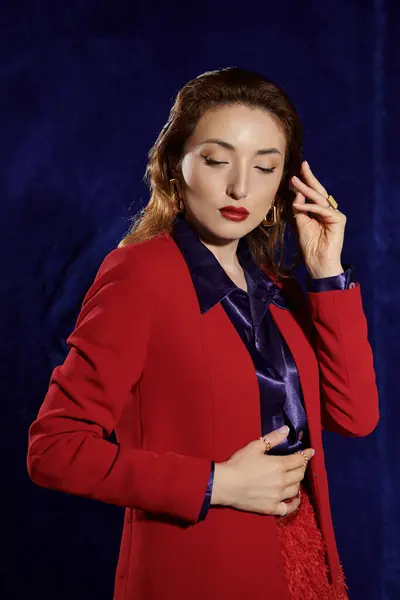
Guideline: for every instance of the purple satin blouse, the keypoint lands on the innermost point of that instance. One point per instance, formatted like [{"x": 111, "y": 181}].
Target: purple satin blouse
[{"x": 281, "y": 400}]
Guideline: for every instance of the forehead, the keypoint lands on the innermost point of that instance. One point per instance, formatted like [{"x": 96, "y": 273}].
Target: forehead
[{"x": 244, "y": 127}]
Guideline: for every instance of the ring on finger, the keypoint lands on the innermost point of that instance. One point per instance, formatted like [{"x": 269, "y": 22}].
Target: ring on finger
[
  {"x": 332, "y": 202},
  {"x": 304, "y": 455},
  {"x": 283, "y": 513},
  {"x": 267, "y": 443}
]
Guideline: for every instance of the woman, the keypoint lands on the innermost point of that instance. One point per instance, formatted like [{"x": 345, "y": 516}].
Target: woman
[{"x": 193, "y": 340}]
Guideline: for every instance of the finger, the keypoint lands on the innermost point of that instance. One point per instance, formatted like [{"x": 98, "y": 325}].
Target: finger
[
  {"x": 295, "y": 461},
  {"x": 311, "y": 180},
  {"x": 328, "y": 214},
  {"x": 300, "y": 199},
  {"x": 290, "y": 492},
  {"x": 276, "y": 437},
  {"x": 290, "y": 507},
  {"x": 309, "y": 192},
  {"x": 294, "y": 477}
]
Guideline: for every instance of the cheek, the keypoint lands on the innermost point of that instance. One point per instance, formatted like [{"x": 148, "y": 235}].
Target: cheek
[
  {"x": 271, "y": 185},
  {"x": 266, "y": 186},
  {"x": 197, "y": 179}
]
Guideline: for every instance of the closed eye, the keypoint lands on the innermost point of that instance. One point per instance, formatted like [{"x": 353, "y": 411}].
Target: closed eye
[
  {"x": 266, "y": 170},
  {"x": 211, "y": 162}
]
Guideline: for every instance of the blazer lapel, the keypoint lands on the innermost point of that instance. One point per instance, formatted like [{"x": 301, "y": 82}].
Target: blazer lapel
[{"x": 305, "y": 359}]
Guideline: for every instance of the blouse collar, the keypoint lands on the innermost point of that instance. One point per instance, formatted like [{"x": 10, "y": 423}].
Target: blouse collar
[{"x": 211, "y": 282}]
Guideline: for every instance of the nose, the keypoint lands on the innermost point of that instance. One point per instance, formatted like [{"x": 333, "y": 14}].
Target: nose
[{"x": 238, "y": 186}]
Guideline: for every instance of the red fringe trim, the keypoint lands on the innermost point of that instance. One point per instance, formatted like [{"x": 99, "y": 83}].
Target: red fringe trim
[{"x": 304, "y": 555}]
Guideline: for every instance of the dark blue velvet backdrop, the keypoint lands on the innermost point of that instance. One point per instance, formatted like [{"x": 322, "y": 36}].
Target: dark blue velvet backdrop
[{"x": 84, "y": 91}]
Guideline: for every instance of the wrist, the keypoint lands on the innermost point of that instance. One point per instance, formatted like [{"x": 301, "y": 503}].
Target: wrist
[
  {"x": 321, "y": 273},
  {"x": 222, "y": 489}
]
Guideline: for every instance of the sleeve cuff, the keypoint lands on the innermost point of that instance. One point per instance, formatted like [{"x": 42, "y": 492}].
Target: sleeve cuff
[
  {"x": 343, "y": 281},
  {"x": 207, "y": 498}
]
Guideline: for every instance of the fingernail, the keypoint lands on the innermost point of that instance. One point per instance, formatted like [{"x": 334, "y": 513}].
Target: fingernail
[
  {"x": 284, "y": 429},
  {"x": 296, "y": 178},
  {"x": 306, "y": 163},
  {"x": 313, "y": 452}
]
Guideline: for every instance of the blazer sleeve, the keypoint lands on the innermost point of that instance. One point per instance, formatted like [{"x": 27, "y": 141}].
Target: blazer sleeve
[
  {"x": 336, "y": 324},
  {"x": 67, "y": 445}
]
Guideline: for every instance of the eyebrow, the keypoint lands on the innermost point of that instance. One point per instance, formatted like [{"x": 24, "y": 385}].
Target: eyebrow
[{"x": 260, "y": 152}]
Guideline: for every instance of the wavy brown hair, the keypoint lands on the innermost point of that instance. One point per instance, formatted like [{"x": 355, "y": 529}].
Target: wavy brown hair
[{"x": 223, "y": 87}]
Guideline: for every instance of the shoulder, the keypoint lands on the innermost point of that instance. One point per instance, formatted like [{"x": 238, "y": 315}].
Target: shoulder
[
  {"x": 131, "y": 272},
  {"x": 139, "y": 259}
]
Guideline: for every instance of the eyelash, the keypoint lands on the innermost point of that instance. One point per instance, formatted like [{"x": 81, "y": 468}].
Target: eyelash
[{"x": 210, "y": 162}]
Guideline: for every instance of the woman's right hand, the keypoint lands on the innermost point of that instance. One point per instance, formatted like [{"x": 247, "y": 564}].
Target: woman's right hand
[{"x": 253, "y": 481}]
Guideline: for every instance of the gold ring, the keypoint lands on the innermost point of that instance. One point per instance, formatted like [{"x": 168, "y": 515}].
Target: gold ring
[
  {"x": 306, "y": 459},
  {"x": 332, "y": 202},
  {"x": 284, "y": 509},
  {"x": 266, "y": 442}
]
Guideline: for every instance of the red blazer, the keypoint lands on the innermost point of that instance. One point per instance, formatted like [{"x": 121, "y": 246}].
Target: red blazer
[{"x": 179, "y": 388}]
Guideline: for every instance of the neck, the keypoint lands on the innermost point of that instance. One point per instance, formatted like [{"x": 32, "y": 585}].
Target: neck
[
  {"x": 225, "y": 254},
  {"x": 225, "y": 251}
]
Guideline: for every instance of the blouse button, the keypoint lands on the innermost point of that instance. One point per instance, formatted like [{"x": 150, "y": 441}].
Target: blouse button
[{"x": 301, "y": 434}]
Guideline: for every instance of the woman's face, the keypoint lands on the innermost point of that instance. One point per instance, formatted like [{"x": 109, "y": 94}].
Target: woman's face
[{"x": 248, "y": 148}]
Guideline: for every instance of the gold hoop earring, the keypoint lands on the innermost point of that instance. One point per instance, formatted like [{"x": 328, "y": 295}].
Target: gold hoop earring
[
  {"x": 179, "y": 203},
  {"x": 270, "y": 222}
]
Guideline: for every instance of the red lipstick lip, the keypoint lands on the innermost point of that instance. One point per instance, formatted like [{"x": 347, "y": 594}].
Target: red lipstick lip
[
  {"x": 235, "y": 209},
  {"x": 233, "y": 214}
]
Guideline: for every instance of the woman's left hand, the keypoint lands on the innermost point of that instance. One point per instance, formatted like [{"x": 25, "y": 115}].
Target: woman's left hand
[{"x": 321, "y": 238}]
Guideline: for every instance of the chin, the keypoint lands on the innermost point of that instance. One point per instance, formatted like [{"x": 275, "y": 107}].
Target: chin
[
  {"x": 220, "y": 228},
  {"x": 229, "y": 230},
  {"x": 240, "y": 228}
]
